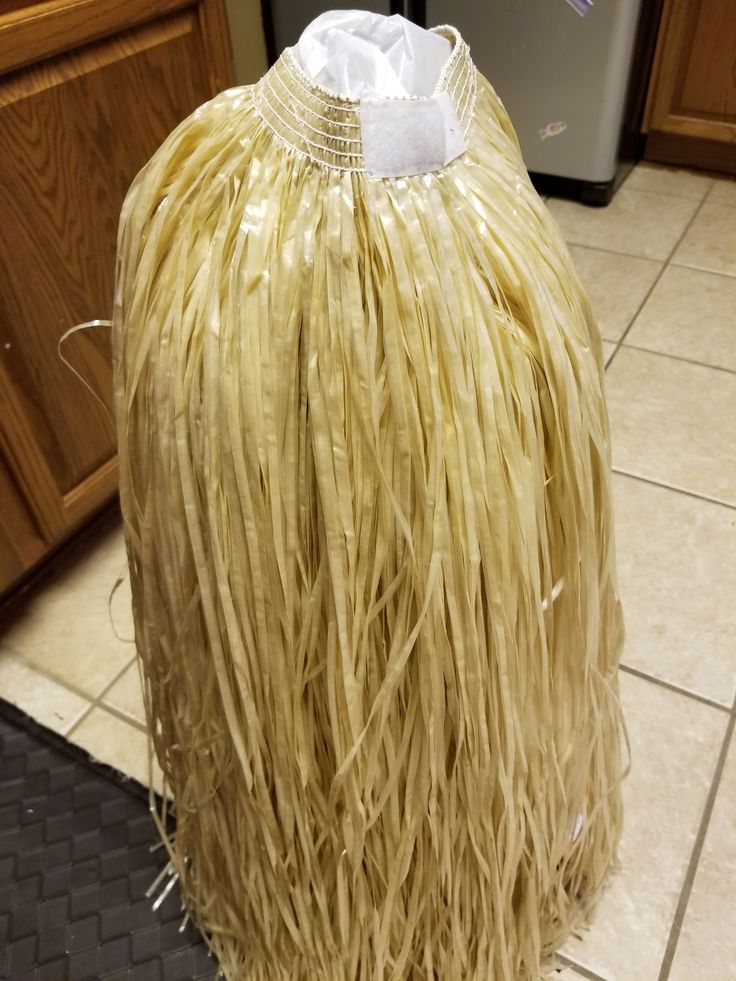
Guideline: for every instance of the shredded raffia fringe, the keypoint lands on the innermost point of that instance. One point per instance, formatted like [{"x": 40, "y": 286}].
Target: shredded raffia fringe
[{"x": 364, "y": 471}]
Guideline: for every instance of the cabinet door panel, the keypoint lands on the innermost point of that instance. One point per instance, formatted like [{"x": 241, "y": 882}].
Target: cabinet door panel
[
  {"x": 695, "y": 90},
  {"x": 74, "y": 131},
  {"x": 21, "y": 542}
]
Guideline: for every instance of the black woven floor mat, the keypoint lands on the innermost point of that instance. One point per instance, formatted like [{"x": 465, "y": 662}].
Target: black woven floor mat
[{"x": 75, "y": 864}]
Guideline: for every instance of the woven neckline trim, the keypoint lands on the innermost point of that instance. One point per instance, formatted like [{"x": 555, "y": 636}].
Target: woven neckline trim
[{"x": 325, "y": 126}]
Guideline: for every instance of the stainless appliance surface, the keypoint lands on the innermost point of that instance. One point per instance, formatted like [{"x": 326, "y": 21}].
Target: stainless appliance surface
[{"x": 563, "y": 78}]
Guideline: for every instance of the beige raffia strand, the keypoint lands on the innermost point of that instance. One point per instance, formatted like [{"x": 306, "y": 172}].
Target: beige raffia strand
[{"x": 364, "y": 468}]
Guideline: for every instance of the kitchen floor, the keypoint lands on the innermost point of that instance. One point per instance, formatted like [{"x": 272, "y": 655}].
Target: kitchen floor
[{"x": 660, "y": 266}]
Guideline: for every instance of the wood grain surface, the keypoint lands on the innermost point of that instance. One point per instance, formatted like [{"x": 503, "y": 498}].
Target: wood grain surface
[
  {"x": 73, "y": 132},
  {"x": 75, "y": 128},
  {"x": 21, "y": 542},
  {"x": 31, "y": 31},
  {"x": 693, "y": 91}
]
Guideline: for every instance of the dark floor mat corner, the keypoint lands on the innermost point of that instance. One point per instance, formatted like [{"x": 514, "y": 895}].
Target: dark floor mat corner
[{"x": 75, "y": 864}]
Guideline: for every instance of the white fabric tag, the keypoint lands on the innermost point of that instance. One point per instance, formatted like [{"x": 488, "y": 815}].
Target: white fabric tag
[{"x": 402, "y": 137}]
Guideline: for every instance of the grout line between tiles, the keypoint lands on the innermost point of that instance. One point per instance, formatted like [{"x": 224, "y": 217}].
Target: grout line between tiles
[
  {"x": 705, "y": 269},
  {"x": 631, "y": 255},
  {"x": 78, "y": 720},
  {"x": 603, "y": 248},
  {"x": 123, "y": 716},
  {"x": 584, "y": 972},
  {"x": 724, "y": 204},
  {"x": 95, "y": 702},
  {"x": 673, "y": 487},
  {"x": 664, "y": 194},
  {"x": 668, "y": 194},
  {"x": 679, "y": 357},
  {"x": 717, "y": 177},
  {"x": 48, "y": 675},
  {"x": 710, "y": 176},
  {"x": 657, "y": 278},
  {"x": 692, "y": 869},
  {"x": 670, "y": 686},
  {"x": 115, "y": 680}
]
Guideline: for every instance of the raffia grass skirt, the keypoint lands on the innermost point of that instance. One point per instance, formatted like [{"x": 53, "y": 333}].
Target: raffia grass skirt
[{"x": 364, "y": 472}]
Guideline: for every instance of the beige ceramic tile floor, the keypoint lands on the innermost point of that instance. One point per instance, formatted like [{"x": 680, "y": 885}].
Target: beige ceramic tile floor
[{"x": 660, "y": 266}]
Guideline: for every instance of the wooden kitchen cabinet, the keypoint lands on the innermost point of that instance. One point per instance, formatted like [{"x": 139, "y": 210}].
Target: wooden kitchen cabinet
[
  {"x": 691, "y": 107},
  {"x": 88, "y": 90}
]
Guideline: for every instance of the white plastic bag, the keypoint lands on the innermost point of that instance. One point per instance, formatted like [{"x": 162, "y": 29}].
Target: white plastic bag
[{"x": 359, "y": 55}]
